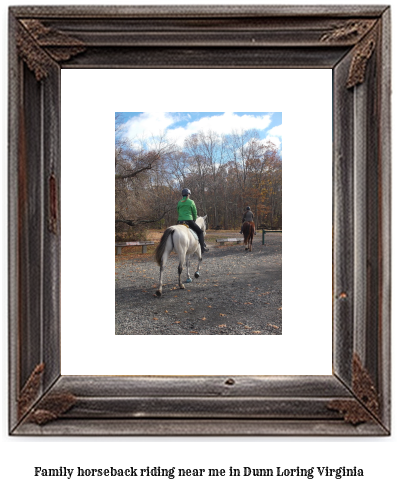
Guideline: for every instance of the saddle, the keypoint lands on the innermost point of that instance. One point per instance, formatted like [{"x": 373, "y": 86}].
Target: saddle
[{"x": 183, "y": 222}]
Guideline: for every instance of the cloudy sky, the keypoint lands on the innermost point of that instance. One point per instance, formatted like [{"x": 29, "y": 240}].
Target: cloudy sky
[{"x": 178, "y": 126}]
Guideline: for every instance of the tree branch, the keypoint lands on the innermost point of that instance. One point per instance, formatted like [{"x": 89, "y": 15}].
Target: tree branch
[
  {"x": 133, "y": 223},
  {"x": 134, "y": 172}
]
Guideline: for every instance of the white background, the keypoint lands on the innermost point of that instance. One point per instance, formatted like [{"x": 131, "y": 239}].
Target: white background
[
  {"x": 89, "y": 345},
  {"x": 377, "y": 456}
]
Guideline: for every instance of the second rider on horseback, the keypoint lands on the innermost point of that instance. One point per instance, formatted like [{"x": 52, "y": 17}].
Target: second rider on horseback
[{"x": 247, "y": 217}]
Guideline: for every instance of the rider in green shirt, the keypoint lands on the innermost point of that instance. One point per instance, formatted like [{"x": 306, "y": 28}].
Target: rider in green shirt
[{"x": 187, "y": 212}]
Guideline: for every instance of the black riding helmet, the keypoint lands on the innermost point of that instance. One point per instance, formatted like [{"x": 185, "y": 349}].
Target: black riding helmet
[
  {"x": 248, "y": 208},
  {"x": 186, "y": 192}
]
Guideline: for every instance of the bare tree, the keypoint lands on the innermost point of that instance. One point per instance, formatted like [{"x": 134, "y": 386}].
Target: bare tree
[
  {"x": 132, "y": 158},
  {"x": 224, "y": 172}
]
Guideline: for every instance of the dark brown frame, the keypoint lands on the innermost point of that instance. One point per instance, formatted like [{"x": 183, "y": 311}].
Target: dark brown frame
[{"x": 353, "y": 41}]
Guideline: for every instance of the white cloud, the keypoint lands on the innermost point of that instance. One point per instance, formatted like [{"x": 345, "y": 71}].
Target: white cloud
[
  {"x": 275, "y": 135},
  {"x": 223, "y": 124},
  {"x": 274, "y": 140},
  {"x": 148, "y": 124},
  {"x": 276, "y": 131}
]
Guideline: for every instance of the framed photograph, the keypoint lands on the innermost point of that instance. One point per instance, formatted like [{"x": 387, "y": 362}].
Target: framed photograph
[{"x": 352, "y": 43}]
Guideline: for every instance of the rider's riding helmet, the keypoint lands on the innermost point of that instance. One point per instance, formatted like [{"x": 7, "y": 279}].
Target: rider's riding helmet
[
  {"x": 186, "y": 192},
  {"x": 248, "y": 208}
]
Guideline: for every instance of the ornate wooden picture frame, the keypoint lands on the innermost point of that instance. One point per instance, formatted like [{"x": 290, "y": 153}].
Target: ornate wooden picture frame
[{"x": 352, "y": 41}]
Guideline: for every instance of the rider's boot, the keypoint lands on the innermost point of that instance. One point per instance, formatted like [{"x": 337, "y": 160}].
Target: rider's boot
[{"x": 204, "y": 249}]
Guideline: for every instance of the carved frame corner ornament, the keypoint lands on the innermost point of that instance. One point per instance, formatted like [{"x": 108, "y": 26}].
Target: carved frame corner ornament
[
  {"x": 364, "y": 33},
  {"x": 366, "y": 406},
  {"x": 354, "y": 43},
  {"x": 30, "y": 391},
  {"x": 361, "y": 56},
  {"x": 38, "y": 45},
  {"x": 349, "y": 31},
  {"x": 50, "y": 407}
]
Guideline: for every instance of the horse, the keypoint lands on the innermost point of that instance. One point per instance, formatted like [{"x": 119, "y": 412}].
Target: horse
[
  {"x": 248, "y": 230},
  {"x": 182, "y": 241}
]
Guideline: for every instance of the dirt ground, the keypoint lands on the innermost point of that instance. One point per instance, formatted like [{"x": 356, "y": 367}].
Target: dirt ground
[{"x": 237, "y": 293}]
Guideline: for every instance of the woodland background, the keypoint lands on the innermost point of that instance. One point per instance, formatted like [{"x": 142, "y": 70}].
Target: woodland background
[{"x": 225, "y": 173}]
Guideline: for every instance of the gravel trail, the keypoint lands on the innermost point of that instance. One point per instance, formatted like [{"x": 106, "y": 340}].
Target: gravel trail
[{"x": 237, "y": 293}]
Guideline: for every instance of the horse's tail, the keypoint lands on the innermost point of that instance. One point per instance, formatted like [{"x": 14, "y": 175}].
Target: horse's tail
[
  {"x": 245, "y": 232},
  {"x": 248, "y": 229},
  {"x": 162, "y": 245}
]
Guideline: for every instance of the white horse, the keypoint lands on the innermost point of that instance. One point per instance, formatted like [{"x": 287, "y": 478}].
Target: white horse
[{"x": 180, "y": 239}]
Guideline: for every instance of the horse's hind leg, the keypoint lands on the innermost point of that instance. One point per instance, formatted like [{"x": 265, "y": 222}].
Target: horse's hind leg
[
  {"x": 197, "y": 273},
  {"x": 164, "y": 260},
  {"x": 159, "y": 291},
  {"x": 180, "y": 269},
  {"x": 188, "y": 269}
]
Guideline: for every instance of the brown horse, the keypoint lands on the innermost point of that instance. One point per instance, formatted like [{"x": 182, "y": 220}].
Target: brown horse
[{"x": 248, "y": 230}]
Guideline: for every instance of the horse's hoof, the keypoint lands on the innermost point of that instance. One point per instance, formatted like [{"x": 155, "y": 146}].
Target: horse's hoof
[
  {"x": 196, "y": 274},
  {"x": 182, "y": 286},
  {"x": 158, "y": 293},
  {"x": 189, "y": 280}
]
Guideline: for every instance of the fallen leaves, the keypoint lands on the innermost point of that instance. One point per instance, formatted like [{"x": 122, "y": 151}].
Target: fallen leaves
[
  {"x": 222, "y": 326},
  {"x": 273, "y": 326},
  {"x": 221, "y": 314}
]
